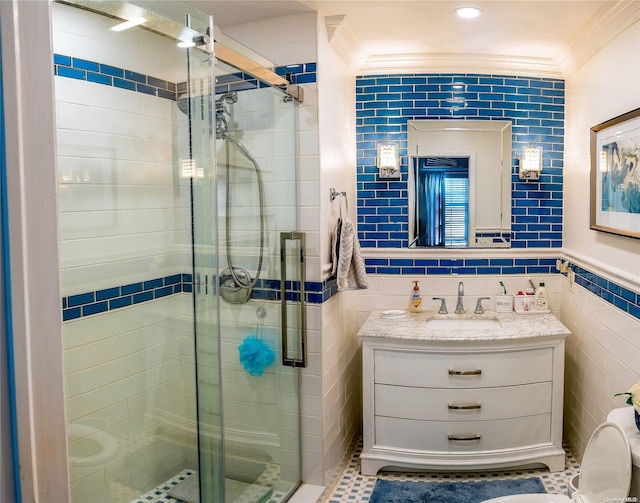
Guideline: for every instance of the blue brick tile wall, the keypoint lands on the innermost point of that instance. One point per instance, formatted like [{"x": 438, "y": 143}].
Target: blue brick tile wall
[{"x": 384, "y": 104}]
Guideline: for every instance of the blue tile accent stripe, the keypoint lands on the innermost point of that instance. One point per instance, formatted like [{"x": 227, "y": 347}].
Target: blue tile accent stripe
[
  {"x": 108, "y": 299},
  {"x": 384, "y": 104},
  {"x": 304, "y": 73},
  {"x": 615, "y": 294},
  {"x": 449, "y": 266},
  {"x": 91, "y": 71}
]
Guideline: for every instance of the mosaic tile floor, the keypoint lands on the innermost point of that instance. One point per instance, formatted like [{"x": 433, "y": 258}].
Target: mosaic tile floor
[
  {"x": 356, "y": 488},
  {"x": 160, "y": 494}
]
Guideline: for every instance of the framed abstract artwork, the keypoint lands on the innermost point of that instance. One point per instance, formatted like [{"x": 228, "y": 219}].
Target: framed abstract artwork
[{"x": 615, "y": 175}]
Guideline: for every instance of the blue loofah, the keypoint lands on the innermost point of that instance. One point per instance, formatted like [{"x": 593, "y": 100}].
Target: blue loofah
[{"x": 255, "y": 355}]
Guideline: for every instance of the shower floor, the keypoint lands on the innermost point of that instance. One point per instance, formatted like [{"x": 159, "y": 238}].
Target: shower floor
[{"x": 237, "y": 492}]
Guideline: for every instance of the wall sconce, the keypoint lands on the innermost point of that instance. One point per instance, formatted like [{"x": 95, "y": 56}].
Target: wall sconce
[
  {"x": 530, "y": 163},
  {"x": 388, "y": 160}
]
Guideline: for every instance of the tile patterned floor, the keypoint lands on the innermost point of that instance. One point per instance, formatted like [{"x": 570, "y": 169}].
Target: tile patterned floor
[
  {"x": 160, "y": 494},
  {"x": 356, "y": 488}
]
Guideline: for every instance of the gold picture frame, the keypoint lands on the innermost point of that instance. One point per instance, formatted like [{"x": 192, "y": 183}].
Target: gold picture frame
[{"x": 615, "y": 175}]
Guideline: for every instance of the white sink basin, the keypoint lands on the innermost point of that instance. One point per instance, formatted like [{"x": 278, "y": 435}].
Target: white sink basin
[{"x": 463, "y": 324}]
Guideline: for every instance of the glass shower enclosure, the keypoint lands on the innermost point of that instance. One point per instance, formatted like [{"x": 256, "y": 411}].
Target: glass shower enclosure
[{"x": 181, "y": 268}]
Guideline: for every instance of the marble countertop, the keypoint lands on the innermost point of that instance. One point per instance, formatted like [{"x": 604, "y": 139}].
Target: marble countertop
[{"x": 415, "y": 327}]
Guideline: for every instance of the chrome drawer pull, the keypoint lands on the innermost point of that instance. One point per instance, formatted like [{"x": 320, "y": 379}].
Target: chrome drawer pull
[
  {"x": 465, "y": 372},
  {"x": 470, "y": 406},
  {"x": 464, "y": 437}
]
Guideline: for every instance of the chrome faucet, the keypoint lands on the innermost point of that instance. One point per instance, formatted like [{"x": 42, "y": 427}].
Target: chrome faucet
[{"x": 459, "y": 306}]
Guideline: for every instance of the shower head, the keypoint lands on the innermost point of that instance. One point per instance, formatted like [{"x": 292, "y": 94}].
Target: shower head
[
  {"x": 229, "y": 97},
  {"x": 223, "y": 125}
]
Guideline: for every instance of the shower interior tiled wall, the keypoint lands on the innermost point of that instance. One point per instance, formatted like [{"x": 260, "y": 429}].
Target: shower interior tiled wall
[{"x": 125, "y": 247}]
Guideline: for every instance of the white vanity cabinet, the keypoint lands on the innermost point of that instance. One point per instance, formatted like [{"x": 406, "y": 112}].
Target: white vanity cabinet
[{"x": 432, "y": 401}]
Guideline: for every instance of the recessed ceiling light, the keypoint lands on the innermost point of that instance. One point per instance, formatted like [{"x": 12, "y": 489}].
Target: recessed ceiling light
[{"x": 468, "y": 12}]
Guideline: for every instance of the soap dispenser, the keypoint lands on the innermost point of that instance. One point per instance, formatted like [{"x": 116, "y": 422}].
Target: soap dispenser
[
  {"x": 415, "y": 306},
  {"x": 542, "y": 298}
]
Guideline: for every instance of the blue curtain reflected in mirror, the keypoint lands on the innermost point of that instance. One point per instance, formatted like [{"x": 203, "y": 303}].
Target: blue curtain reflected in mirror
[{"x": 442, "y": 201}]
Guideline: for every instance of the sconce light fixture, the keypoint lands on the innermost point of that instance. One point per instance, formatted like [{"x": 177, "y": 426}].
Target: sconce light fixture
[
  {"x": 388, "y": 160},
  {"x": 530, "y": 163}
]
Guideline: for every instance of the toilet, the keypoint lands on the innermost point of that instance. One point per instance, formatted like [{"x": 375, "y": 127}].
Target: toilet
[
  {"x": 605, "y": 474},
  {"x": 623, "y": 417},
  {"x": 90, "y": 449}
]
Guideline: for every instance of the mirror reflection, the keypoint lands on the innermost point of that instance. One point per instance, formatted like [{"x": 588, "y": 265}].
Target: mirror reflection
[{"x": 459, "y": 183}]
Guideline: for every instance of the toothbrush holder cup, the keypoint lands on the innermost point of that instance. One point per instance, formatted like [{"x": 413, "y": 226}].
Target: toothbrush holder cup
[{"x": 504, "y": 303}]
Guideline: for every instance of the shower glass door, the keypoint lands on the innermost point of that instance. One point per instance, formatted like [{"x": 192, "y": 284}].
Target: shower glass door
[{"x": 255, "y": 201}]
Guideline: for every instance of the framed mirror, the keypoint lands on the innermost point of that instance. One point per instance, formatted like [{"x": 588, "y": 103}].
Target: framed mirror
[{"x": 459, "y": 183}]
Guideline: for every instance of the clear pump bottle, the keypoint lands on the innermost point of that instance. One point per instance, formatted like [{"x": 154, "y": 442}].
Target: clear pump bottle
[{"x": 415, "y": 305}]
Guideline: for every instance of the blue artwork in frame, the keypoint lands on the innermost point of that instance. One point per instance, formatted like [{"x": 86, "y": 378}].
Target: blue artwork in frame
[{"x": 615, "y": 175}]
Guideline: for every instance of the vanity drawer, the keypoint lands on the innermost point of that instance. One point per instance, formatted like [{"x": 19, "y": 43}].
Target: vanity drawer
[
  {"x": 471, "y": 404},
  {"x": 463, "y": 370},
  {"x": 481, "y": 435}
]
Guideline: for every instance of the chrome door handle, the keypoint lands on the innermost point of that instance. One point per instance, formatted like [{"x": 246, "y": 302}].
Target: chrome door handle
[{"x": 301, "y": 359}]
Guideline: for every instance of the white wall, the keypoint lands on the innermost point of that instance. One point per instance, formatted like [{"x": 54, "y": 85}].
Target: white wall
[
  {"x": 285, "y": 40},
  {"x": 603, "y": 88},
  {"x": 341, "y": 390},
  {"x": 603, "y": 354}
]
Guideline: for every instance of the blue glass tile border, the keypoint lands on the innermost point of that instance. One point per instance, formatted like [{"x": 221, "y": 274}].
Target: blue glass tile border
[
  {"x": 92, "y": 71},
  {"x": 109, "y": 299},
  {"x": 112, "y": 298},
  {"x": 303, "y": 73},
  {"x": 471, "y": 266},
  {"x": 615, "y": 294},
  {"x": 99, "y": 73}
]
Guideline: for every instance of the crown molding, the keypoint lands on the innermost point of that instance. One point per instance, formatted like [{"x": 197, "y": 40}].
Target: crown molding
[
  {"x": 609, "y": 22},
  {"x": 343, "y": 39},
  {"x": 460, "y": 63}
]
